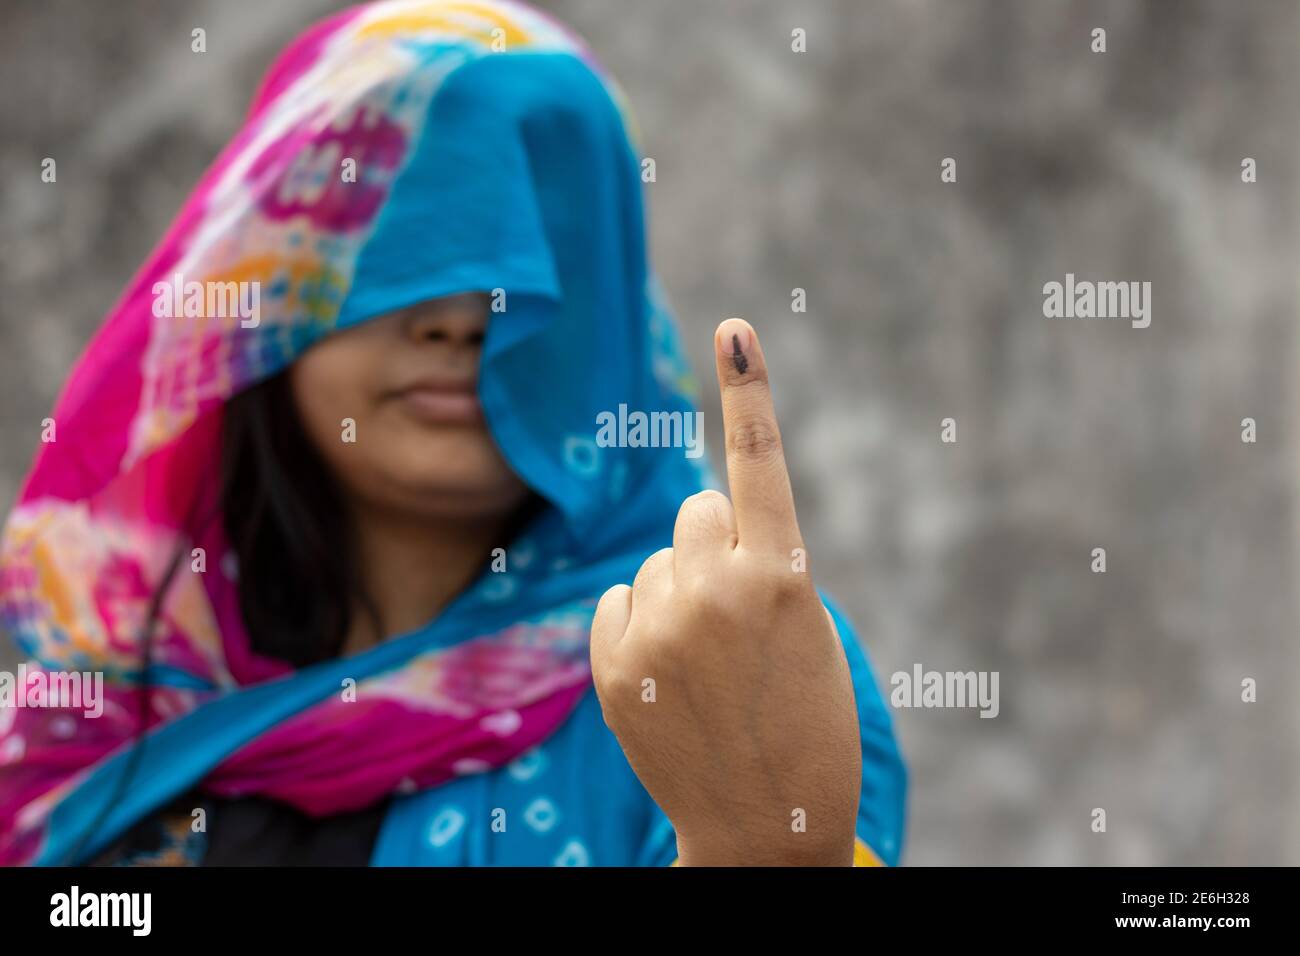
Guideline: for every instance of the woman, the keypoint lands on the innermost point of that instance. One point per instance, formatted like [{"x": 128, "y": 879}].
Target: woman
[{"x": 326, "y": 506}]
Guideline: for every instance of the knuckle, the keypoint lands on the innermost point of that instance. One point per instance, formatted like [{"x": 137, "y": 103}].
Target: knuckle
[
  {"x": 608, "y": 601},
  {"x": 757, "y": 441},
  {"x": 699, "y": 594},
  {"x": 785, "y": 585},
  {"x": 775, "y": 582},
  {"x": 702, "y": 502},
  {"x": 703, "y": 510},
  {"x": 649, "y": 571},
  {"x": 611, "y": 596},
  {"x": 613, "y": 683},
  {"x": 700, "y": 518},
  {"x": 709, "y": 495}
]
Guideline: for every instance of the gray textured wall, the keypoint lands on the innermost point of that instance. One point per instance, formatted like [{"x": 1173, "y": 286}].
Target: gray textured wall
[{"x": 821, "y": 170}]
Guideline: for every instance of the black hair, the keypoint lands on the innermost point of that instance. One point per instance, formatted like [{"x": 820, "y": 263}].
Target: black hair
[{"x": 286, "y": 521}]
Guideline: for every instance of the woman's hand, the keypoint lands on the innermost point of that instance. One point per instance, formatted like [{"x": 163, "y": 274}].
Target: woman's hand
[{"x": 720, "y": 670}]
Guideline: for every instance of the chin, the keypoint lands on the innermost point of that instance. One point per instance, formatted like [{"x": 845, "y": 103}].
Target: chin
[
  {"x": 445, "y": 502},
  {"x": 457, "y": 475}
]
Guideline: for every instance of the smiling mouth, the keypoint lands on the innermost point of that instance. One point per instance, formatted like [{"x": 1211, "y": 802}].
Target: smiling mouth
[{"x": 441, "y": 406}]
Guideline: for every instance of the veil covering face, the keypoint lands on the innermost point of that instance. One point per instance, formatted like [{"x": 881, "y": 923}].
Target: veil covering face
[{"x": 394, "y": 153}]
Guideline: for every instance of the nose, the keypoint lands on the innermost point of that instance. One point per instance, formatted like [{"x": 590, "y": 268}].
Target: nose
[{"x": 458, "y": 321}]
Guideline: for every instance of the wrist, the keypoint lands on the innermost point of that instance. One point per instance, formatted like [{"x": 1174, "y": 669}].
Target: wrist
[{"x": 793, "y": 849}]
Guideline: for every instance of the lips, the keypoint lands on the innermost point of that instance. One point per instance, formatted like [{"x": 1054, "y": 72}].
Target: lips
[{"x": 441, "y": 404}]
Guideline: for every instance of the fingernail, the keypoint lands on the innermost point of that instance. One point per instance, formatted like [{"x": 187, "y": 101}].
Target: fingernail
[{"x": 734, "y": 339}]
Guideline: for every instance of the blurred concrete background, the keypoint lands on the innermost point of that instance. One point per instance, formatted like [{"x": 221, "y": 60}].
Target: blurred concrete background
[{"x": 820, "y": 170}]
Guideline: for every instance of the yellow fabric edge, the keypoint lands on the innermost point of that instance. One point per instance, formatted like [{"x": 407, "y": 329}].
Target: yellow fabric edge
[{"x": 862, "y": 854}]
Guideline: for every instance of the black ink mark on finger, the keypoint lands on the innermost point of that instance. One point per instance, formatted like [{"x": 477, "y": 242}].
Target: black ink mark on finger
[{"x": 737, "y": 356}]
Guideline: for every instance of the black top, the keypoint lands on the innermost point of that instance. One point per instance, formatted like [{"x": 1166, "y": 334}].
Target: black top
[{"x": 249, "y": 831}]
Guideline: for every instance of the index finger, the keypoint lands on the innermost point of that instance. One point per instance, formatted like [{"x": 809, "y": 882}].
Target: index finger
[{"x": 756, "y": 471}]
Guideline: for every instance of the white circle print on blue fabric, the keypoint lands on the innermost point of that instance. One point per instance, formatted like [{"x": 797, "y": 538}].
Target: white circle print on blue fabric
[
  {"x": 542, "y": 814},
  {"x": 575, "y": 853},
  {"x": 445, "y": 826},
  {"x": 582, "y": 456},
  {"x": 527, "y": 765}
]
